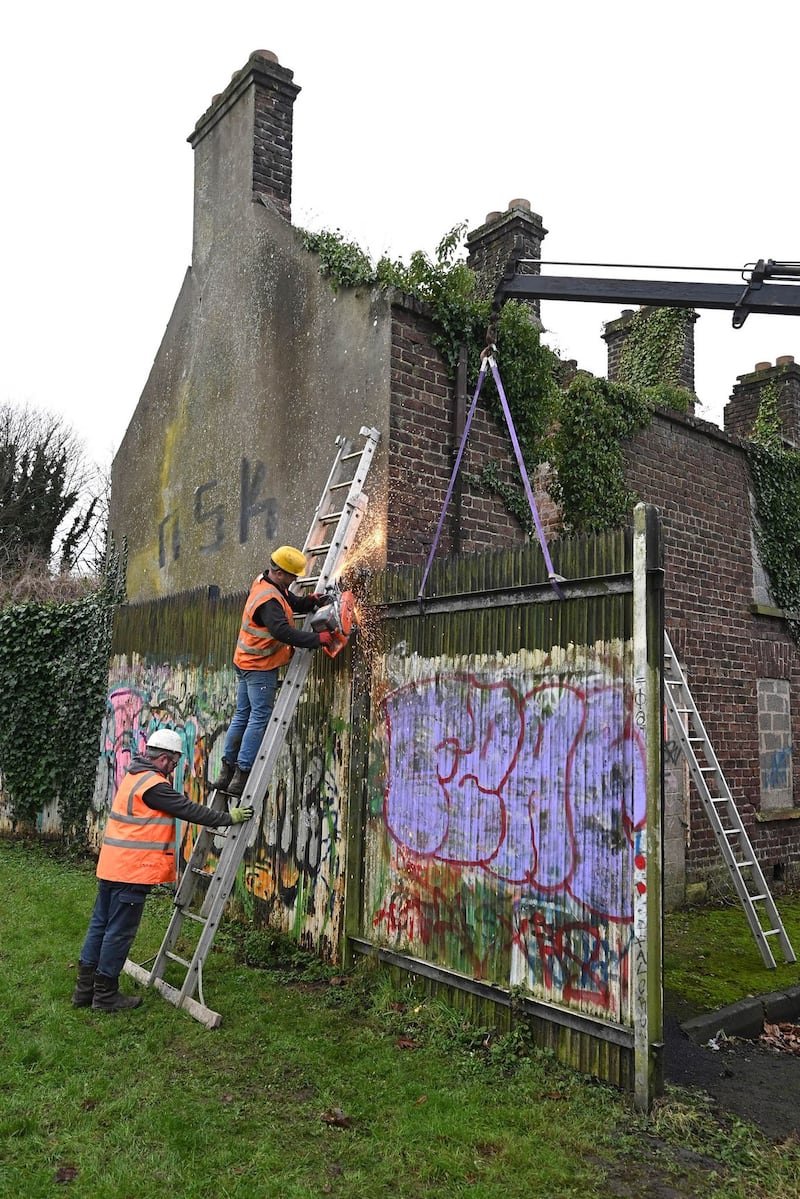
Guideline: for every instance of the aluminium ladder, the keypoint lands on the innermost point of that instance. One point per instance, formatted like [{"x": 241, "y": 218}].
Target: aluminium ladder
[
  {"x": 329, "y": 539},
  {"x": 720, "y": 807}
]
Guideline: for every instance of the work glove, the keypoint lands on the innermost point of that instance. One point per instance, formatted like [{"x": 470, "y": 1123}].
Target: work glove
[
  {"x": 325, "y": 637},
  {"x": 239, "y": 815},
  {"x": 320, "y": 599}
]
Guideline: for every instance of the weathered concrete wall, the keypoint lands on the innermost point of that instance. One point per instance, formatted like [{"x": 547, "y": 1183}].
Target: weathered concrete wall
[
  {"x": 262, "y": 365},
  {"x": 233, "y": 438}
]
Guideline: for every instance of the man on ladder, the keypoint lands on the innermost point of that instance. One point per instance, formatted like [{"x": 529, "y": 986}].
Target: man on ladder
[{"x": 265, "y": 644}]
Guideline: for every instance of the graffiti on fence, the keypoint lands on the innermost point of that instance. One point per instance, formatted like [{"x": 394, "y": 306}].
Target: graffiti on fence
[
  {"x": 294, "y": 862},
  {"x": 528, "y": 799},
  {"x": 196, "y": 703}
]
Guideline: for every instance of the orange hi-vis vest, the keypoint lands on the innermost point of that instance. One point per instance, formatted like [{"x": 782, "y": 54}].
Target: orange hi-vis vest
[
  {"x": 138, "y": 846},
  {"x": 256, "y": 649}
]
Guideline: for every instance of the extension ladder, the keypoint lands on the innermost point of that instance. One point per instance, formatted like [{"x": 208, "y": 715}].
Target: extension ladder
[
  {"x": 720, "y": 807},
  {"x": 329, "y": 539}
]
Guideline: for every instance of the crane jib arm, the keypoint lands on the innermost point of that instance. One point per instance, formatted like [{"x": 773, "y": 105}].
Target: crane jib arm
[{"x": 777, "y": 298}]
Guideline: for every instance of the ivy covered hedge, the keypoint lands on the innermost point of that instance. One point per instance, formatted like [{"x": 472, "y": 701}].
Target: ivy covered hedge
[{"x": 53, "y": 681}]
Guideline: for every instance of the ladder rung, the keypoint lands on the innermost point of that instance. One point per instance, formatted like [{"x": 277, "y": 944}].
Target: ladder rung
[
  {"x": 757, "y": 898},
  {"x": 741, "y": 864},
  {"x": 194, "y": 916},
  {"x": 329, "y": 518},
  {"x": 770, "y": 932},
  {"x": 339, "y": 486},
  {"x": 173, "y": 957}
]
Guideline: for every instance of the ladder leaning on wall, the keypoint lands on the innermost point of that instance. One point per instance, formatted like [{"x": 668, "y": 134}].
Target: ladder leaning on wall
[
  {"x": 329, "y": 539},
  {"x": 720, "y": 808}
]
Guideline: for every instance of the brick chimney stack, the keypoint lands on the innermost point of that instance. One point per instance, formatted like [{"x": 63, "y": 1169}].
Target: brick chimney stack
[
  {"x": 616, "y": 332},
  {"x": 503, "y": 239},
  {"x": 742, "y": 408},
  {"x": 265, "y": 94}
]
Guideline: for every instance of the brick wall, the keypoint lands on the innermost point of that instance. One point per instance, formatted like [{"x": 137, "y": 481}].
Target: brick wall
[
  {"x": 423, "y": 442},
  {"x": 698, "y": 478},
  {"x": 272, "y": 134},
  {"x": 742, "y": 408}
]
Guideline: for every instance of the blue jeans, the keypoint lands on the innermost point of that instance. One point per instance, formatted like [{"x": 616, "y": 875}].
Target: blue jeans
[
  {"x": 115, "y": 921},
  {"x": 255, "y": 699}
]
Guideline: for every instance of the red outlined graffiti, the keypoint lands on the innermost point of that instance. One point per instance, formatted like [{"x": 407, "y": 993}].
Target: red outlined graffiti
[{"x": 542, "y": 791}]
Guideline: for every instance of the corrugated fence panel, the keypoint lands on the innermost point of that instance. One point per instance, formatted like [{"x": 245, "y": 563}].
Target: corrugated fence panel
[{"x": 507, "y": 780}]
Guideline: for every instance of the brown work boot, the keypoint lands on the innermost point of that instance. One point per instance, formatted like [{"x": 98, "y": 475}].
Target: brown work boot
[
  {"x": 238, "y": 782},
  {"x": 84, "y": 988},
  {"x": 107, "y": 997},
  {"x": 220, "y": 783}
]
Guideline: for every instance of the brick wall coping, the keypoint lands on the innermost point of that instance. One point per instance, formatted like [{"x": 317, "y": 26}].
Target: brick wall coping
[{"x": 700, "y": 426}]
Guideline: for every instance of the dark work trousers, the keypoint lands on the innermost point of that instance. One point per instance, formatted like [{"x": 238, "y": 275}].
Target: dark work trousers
[{"x": 115, "y": 921}]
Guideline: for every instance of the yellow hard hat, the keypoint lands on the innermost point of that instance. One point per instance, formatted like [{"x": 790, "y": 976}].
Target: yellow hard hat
[{"x": 287, "y": 558}]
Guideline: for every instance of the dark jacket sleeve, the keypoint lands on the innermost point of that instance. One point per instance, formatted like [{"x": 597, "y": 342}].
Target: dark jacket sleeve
[
  {"x": 164, "y": 798},
  {"x": 272, "y": 617}
]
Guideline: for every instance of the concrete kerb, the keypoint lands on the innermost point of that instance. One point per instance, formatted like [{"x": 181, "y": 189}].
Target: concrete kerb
[{"x": 747, "y": 1017}]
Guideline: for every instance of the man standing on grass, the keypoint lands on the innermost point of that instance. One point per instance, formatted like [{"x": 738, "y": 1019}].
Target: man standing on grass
[{"x": 136, "y": 854}]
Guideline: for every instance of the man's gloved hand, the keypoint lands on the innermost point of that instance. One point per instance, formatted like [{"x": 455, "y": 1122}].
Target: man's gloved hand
[
  {"x": 325, "y": 637},
  {"x": 320, "y": 598},
  {"x": 239, "y": 815}
]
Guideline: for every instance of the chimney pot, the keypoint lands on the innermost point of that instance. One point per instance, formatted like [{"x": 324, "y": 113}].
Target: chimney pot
[
  {"x": 270, "y": 57},
  {"x": 763, "y": 366},
  {"x": 491, "y": 217},
  {"x": 785, "y": 360},
  {"x": 525, "y": 205}
]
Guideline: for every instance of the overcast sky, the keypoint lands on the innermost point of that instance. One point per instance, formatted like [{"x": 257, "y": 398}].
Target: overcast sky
[{"x": 641, "y": 133}]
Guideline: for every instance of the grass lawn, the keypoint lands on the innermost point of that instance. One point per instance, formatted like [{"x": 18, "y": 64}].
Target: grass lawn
[{"x": 314, "y": 1085}]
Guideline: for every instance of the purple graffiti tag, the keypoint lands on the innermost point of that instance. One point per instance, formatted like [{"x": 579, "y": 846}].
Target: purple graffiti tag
[
  {"x": 542, "y": 792},
  {"x": 452, "y": 745},
  {"x": 124, "y": 736}
]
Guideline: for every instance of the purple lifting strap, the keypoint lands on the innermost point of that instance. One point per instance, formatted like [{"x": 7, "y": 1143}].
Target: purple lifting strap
[
  {"x": 552, "y": 576},
  {"x": 456, "y": 464}
]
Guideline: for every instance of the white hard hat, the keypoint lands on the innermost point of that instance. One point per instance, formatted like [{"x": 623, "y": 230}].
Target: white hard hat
[{"x": 166, "y": 739}]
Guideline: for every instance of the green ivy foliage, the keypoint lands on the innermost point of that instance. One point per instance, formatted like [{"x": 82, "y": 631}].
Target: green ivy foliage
[
  {"x": 578, "y": 432},
  {"x": 53, "y": 682},
  {"x": 775, "y": 473},
  {"x": 596, "y": 417},
  {"x": 653, "y": 348}
]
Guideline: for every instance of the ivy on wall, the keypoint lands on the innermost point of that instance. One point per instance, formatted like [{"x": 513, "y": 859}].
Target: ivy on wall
[
  {"x": 776, "y": 483},
  {"x": 578, "y": 431},
  {"x": 53, "y": 680},
  {"x": 596, "y": 417},
  {"x": 653, "y": 349}
]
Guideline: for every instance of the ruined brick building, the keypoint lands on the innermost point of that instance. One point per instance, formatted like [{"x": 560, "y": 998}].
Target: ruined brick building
[{"x": 263, "y": 364}]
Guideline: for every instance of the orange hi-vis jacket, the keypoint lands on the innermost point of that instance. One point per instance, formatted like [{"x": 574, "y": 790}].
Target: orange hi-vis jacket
[
  {"x": 138, "y": 846},
  {"x": 256, "y": 649}
]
